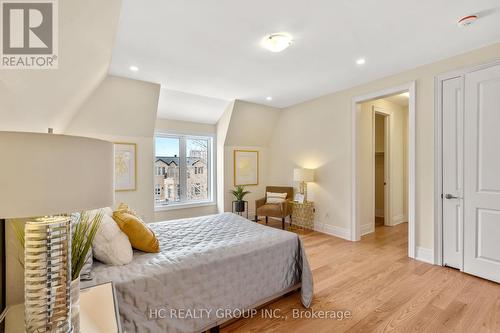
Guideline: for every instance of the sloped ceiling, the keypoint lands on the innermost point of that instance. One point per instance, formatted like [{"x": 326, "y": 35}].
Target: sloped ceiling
[
  {"x": 251, "y": 124},
  {"x": 33, "y": 100},
  {"x": 190, "y": 107}
]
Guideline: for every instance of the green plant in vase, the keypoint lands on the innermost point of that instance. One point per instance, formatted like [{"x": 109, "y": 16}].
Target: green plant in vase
[{"x": 239, "y": 193}]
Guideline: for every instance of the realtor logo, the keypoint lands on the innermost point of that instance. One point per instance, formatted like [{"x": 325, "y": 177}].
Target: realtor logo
[{"x": 29, "y": 34}]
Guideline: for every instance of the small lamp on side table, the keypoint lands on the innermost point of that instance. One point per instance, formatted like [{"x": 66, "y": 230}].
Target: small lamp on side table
[
  {"x": 50, "y": 175},
  {"x": 303, "y": 176}
]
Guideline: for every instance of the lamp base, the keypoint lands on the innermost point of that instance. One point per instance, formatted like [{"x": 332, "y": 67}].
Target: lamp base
[
  {"x": 47, "y": 275},
  {"x": 303, "y": 190}
]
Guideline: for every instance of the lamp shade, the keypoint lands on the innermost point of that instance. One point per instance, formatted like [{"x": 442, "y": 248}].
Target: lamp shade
[
  {"x": 303, "y": 175},
  {"x": 49, "y": 174}
]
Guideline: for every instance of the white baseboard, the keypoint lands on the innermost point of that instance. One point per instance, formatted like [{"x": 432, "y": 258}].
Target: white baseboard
[
  {"x": 367, "y": 229},
  {"x": 398, "y": 219},
  {"x": 424, "y": 254},
  {"x": 333, "y": 231},
  {"x": 379, "y": 212}
]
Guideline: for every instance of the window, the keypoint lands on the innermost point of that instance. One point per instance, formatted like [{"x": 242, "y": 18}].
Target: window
[
  {"x": 157, "y": 190},
  {"x": 183, "y": 169}
]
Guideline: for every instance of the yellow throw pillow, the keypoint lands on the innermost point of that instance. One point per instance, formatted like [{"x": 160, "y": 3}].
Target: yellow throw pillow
[
  {"x": 140, "y": 236},
  {"x": 123, "y": 207}
]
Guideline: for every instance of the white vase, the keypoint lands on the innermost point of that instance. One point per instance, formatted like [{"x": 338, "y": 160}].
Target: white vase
[{"x": 75, "y": 305}]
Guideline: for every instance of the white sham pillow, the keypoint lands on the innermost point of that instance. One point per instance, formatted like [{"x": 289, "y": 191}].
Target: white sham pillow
[
  {"x": 111, "y": 245},
  {"x": 275, "y": 198},
  {"x": 105, "y": 211}
]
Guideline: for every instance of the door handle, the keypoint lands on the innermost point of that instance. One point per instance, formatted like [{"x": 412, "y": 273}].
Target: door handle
[{"x": 449, "y": 196}]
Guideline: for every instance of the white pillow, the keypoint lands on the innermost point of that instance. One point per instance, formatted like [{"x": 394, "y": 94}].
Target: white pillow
[
  {"x": 111, "y": 245},
  {"x": 275, "y": 198},
  {"x": 105, "y": 211}
]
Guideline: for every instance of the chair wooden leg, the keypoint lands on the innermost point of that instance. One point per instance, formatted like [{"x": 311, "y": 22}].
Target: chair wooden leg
[
  {"x": 267, "y": 219},
  {"x": 290, "y": 221},
  {"x": 283, "y": 223}
]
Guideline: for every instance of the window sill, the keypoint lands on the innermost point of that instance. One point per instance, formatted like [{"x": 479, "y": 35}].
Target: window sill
[{"x": 185, "y": 205}]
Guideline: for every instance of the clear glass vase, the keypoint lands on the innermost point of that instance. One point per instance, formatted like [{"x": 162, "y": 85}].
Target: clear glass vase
[
  {"x": 47, "y": 267},
  {"x": 75, "y": 305}
]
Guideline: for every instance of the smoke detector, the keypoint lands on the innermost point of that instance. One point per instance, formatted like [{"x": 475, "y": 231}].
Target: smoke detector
[{"x": 467, "y": 20}]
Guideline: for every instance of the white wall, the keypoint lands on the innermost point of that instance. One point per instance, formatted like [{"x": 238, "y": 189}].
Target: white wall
[
  {"x": 251, "y": 128},
  {"x": 317, "y": 134},
  {"x": 221, "y": 134},
  {"x": 257, "y": 191},
  {"x": 124, "y": 110},
  {"x": 251, "y": 124},
  {"x": 185, "y": 127}
]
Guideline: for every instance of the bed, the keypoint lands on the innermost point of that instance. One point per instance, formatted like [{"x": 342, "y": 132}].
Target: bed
[{"x": 208, "y": 270}]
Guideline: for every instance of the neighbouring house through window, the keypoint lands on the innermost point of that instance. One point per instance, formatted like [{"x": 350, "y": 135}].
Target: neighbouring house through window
[{"x": 182, "y": 169}]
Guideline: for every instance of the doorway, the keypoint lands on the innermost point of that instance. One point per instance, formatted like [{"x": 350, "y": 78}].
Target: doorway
[
  {"x": 381, "y": 167},
  {"x": 382, "y": 158},
  {"x": 361, "y": 216}
]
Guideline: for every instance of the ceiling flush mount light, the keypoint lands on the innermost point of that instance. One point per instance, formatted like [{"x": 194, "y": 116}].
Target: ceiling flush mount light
[
  {"x": 134, "y": 68},
  {"x": 269, "y": 98},
  {"x": 467, "y": 20},
  {"x": 277, "y": 42},
  {"x": 361, "y": 61}
]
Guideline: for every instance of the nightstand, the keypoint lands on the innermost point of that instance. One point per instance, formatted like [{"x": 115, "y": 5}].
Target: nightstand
[
  {"x": 98, "y": 311},
  {"x": 303, "y": 214}
]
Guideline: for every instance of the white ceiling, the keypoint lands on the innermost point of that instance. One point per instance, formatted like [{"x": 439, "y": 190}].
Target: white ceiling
[
  {"x": 211, "y": 47},
  {"x": 190, "y": 107}
]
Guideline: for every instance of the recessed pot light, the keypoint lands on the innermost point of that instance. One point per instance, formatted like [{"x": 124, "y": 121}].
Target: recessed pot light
[
  {"x": 134, "y": 68},
  {"x": 277, "y": 42},
  {"x": 269, "y": 98},
  {"x": 361, "y": 61}
]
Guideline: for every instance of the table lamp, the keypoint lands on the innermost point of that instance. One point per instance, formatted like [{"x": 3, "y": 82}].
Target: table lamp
[
  {"x": 303, "y": 176},
  {"x": 44, "y": 177}
]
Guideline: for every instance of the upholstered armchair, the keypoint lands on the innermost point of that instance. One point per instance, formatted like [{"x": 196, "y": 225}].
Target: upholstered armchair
[{"x": 281, "y": 210}]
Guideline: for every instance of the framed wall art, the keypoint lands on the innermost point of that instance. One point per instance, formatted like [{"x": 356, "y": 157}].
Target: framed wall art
[
  {"x": 246, "y": 167},
  {"x": 125, "y": 166}
]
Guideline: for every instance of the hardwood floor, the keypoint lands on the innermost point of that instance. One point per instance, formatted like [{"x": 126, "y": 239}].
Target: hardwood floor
[{"x": 383, "y": 289}]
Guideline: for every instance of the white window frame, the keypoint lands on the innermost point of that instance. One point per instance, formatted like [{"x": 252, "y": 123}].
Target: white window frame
[{"x": 211, "y": 182}]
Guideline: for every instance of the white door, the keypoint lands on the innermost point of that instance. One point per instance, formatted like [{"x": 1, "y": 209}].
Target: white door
[
  {"x": 453, "y": 117},
  {"x": 482, "y": 173}
]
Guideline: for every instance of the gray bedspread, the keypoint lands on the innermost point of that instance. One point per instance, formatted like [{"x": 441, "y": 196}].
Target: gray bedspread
[{"x": 206, "y": 265}]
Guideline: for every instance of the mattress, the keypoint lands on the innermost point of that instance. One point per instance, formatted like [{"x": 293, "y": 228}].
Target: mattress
[{"x": 209, "y": 269}]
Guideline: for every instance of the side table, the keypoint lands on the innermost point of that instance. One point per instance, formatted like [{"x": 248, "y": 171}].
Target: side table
[
  {"x": 98, "y": 311},
  {"x": 303, "y": 214}
]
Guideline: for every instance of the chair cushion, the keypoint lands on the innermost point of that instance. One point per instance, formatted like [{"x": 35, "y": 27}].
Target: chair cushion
[{"x": 269, "y": 210}]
